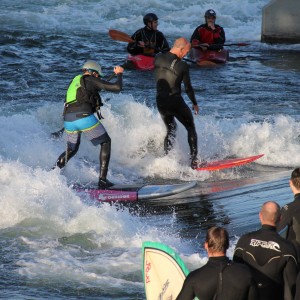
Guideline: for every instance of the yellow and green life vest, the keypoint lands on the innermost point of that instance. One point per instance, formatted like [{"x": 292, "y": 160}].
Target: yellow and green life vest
[{"x": 71, "y": 96}]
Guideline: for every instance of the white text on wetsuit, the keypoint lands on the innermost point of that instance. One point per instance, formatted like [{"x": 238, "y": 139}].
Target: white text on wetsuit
[{"x": 264, "y": 244}]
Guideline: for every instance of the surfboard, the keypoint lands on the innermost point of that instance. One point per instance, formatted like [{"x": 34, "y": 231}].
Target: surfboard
[
  {"x": 227, "y": 163},
  {"x": 163, "y": 271},
  {"x": 129, "y": 193}
]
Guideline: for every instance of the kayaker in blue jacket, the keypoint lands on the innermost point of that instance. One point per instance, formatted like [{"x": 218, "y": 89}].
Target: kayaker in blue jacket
[
  {"x": 82, "y": 101},
  {"x": 209, "y": 36},
  {"x": 148, "y": 40}
]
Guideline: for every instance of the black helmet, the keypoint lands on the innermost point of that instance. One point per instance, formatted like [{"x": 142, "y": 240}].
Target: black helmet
[
  {"x": 149, "y": 18},
  {"x": 210, "y": 13}
]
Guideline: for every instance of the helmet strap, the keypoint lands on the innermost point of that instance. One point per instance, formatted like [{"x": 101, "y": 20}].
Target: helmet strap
[{"x": 151, "y": 25}]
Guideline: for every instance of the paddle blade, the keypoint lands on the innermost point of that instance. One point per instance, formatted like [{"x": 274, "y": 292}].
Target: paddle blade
[
  {"x": 237, "y": 44},
  {"x": 221, "y": 45},
  {"x": 120, "y": 36}
]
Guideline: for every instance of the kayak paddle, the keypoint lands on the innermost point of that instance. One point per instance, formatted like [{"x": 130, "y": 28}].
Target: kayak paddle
[
  {"x": 120, "y": 36},
  {"x": 220, "y": 45}
]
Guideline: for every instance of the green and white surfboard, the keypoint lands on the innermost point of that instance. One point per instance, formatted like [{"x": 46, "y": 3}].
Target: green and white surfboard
[{"x": 163, "y": 271}]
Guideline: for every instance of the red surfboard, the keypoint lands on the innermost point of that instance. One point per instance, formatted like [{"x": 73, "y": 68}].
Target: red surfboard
[{"x": 227, "y": 163}]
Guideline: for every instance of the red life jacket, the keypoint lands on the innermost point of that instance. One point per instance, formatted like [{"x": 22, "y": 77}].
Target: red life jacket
[{"x": 208, "y": 36}]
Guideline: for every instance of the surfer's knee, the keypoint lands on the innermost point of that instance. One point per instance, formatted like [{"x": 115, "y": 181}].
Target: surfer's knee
[{"x": 104, "y": 138}]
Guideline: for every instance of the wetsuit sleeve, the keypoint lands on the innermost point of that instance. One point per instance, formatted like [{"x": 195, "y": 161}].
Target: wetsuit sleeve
[
  {"x": 133, "y": 48},
  {"x": 285, "y": 219},
  {"x": 188, "y": 86},
  {"x": 298, "y": 287},
  {"x": 238, "y": 252},
  {"x": 187, "y": 292},
  {"x": 290, "y": 277},
  {"x": 162, "y": 45},
  {"x": 253, "y": 293},
  {"x": 101, "y": 84}
]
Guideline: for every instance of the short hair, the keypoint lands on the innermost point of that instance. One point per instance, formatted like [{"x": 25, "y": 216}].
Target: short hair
[
  {"x": 217, "y": 239},
  {"x": 295, "y": 178},
  {"x": 270, "y": 211}
]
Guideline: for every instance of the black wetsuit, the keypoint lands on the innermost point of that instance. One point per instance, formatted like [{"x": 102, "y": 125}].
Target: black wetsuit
[
  {"x": 297, "y": 297},
  {"x": 272, "y": 261},
  {"x": 290, "y": 217},
  {"x": 219, "y": 279},
  {"x": 88, "y": 101},
  {"x": 152, "y": 38},
  {"x": 170, "y": 72}
]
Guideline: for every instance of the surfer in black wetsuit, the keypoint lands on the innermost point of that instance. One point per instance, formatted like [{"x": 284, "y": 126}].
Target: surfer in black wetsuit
[
  {"x": 271, "y": 258},
  {"x": 170, "y": 71},
  {"x": 82, "y": 101},
  {"x": 289, "y": 223},
  {"x": 148, "y": 40},
  {"x": 220, "y": 278}
]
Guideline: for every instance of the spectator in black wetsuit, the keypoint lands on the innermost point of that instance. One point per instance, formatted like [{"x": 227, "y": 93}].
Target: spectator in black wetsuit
[
  {"x": 82, "y": 101},
  {"x": 209, "y": 35},
  {"x": 148, "y": 40},
  {"x": 170, "y": 71},
  {"x": 289, "y": 223},
  {"x": 271, "y": 258},
  {"x": 220, "y": 278}
]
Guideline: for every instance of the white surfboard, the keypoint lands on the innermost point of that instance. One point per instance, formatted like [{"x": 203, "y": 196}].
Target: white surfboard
[{"x": 127, "y": 193}]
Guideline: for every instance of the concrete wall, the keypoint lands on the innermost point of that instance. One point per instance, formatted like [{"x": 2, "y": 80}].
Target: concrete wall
[{"x": 281, "y": 22}]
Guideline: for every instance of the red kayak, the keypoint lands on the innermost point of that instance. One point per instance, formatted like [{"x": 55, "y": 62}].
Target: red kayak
[
  {"x": 140, "y": 62},
  {"x": 209, "y": 57}
]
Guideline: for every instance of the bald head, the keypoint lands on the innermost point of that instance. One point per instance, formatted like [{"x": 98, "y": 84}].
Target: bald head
[
  {"x": 181, "y": 47},
  {"x": 180, "y": 43},
  {"x": 270, "y": 213}
]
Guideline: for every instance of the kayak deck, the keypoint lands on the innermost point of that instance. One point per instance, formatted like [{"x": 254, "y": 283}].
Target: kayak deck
[{"x": 209, "y": 56}]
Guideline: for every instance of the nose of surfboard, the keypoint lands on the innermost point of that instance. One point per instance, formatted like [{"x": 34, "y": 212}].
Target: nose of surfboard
[{"x": 227, "y": 163}]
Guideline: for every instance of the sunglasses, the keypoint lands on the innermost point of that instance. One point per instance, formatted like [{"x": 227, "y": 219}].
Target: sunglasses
[{"x": 94, "y": 71}]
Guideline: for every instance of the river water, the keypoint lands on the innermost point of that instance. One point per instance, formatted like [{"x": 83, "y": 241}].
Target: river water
[{"x": 55, "y": 244}]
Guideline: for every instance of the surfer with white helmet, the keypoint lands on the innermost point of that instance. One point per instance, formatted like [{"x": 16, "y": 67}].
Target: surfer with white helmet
[{"x": 82, "y": 101}]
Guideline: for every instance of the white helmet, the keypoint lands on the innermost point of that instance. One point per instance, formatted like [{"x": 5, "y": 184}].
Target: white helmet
[{"x": 91, "y": 65}]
